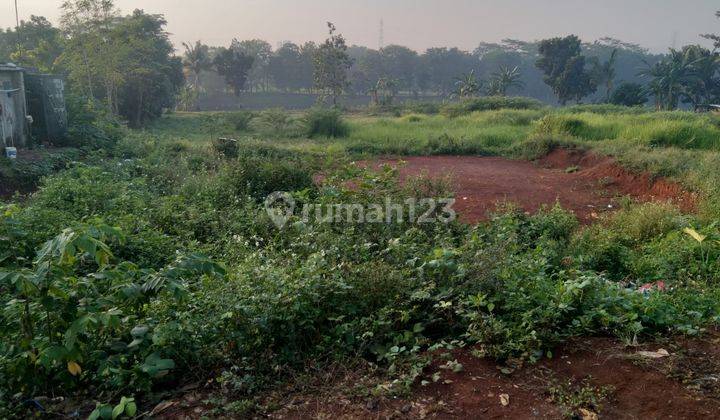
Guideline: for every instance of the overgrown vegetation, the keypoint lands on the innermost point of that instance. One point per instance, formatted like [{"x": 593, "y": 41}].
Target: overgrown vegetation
[
  {"x": 157, "y": 258},
  {"x": 146, "y": 260}
]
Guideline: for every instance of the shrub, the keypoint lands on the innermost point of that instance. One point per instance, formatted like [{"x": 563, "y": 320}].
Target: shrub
[
  {"x": 325, "y": 123},
  {"x": 277, "y": 122},
  {"x": 427, "y": 108},
  {"x": 562, "y": 125},
  {"x": 90, "y": 125},
  {"x": 240, "y": 120},
  {"x": 629, "y": 94},
  {"x": 226, "y": 147}
]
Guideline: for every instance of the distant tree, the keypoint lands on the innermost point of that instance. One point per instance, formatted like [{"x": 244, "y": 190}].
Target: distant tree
[
  {"x": 703, "y": 85},
  {"x": 670, "y": 77},
  {"x": 306, "y": 71},
  {"x": 284, "y": 65},
  {"x": 438, "y": 68},
  {"x": 196, "y": 59},
  {"x": 39, "y": 47},
  {"x": 564, "y": 68},
  {"x": 332, "y": 63},
  {"x": 150, "y": 74},
  {"x": 89, "y": 55},
  {"x": 713, "y": 37},
  {"x": 629, "y": 94},
  {"x": 467, "y": 85},
  {"x": 505, "y": 79},
  {"x": 260, "y": 51},
  {"x": 604, "y": 73},
  {"x": 399, "y": 63},
  {"x": 234, "y": 67}
]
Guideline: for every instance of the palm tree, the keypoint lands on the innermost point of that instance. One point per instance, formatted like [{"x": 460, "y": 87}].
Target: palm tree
[
  {"x": 467, "y": 86},
  {"x": 197, "y": 59},
  {"x": 704, "y": 86},
  {"x": 671, "y": 78},
  {"x": 505, "y": 79},
  {"x": 605, "y": 74}
]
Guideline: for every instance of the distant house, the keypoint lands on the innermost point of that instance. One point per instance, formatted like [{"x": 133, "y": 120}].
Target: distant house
[{"x": 32, "y": 107}]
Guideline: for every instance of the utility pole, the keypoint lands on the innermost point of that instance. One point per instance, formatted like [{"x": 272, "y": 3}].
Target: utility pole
[{"x": 17, "y": 30}]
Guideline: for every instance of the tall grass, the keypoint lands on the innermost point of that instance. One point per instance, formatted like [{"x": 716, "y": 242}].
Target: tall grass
[{"x": 666, "y": 129}]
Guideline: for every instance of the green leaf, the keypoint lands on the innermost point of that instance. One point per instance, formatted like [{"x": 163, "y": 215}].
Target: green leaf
[
  {"x": 131, "y": 409},
  {"x": 156, "y": 366},
  {"x": 119, "y": 409}
]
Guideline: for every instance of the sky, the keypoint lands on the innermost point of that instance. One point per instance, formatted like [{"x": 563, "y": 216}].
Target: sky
[{"x": 418, "y": 24}]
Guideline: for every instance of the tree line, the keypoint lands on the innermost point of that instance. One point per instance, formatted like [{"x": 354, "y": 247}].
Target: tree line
[{"x": 128, "y": 64}]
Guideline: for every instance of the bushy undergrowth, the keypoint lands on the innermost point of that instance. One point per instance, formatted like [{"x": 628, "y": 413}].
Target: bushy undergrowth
[
  {"x": 326, "y": 123},
  {"x": 490, "y": 103},
  {"x": 122, "y": 274}
]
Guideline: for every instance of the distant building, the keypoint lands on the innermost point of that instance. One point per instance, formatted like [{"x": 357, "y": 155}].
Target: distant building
[
  {"x": 14, "y": 130},
  {"x": 32, "y": 107}
]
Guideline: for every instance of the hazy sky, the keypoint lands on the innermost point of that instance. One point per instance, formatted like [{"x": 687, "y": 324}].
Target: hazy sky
[{"x": 419, "y": 24}]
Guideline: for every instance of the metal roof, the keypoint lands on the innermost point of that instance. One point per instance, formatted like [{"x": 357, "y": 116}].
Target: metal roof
[{"x": 10, "y": 67}]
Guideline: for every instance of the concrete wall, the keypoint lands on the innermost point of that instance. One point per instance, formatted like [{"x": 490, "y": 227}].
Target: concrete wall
[
  {"x": 262, "y": 100},
  {"x": 13, "y": 127}
]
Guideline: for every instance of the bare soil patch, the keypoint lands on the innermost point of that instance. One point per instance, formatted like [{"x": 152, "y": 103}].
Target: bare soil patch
[
  {"x": 635, "y": 387},
  {"x": 584, "y": 183}
]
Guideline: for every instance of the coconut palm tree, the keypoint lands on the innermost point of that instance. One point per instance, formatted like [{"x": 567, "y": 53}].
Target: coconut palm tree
[
  {"x": 505, "y": 79},
  {"x": 605, "y": 74},
  {"x": 704, "y": 87},
  {"x": 196, "y": 59},
  {"x": 670, "y": 78}
]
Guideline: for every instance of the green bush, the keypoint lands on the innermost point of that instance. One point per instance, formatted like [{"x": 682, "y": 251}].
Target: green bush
[
  {"x": 240, "y": 120},
  {"x": 226, "y": 147},
  {"x": 90, "y": 125},
  {"x": 325, "y": 123},
  {"x": 277, "y": 123}
]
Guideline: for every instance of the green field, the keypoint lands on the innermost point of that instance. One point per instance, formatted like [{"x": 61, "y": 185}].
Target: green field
[{"x": 151, "y": 262}]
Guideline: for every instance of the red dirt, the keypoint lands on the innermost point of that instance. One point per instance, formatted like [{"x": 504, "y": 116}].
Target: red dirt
[
  {"x": 638, "y": 388},
  {"x": 481, "y": 183}
]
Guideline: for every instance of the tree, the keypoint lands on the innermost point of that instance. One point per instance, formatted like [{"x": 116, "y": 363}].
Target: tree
[
  {"x": 196, "y": 60},
  {"x": 234, "y": 67},
  {"x": 604, "y": 73},
  {"x": 40, "y": 44},
  {"x": 284, "y": 65},
  {"x": 505, "y": 79},
  {"x": 399, "y": 64},
  {"x": 564, "y": 68},
  {"x": 629, "y": 94},
  {"x": 151, "y": 74},
  {"x": 670, "y": 78},
  {"x": 713, "y": 37},
  {"x": 88, "y": 55},
  {"x": 131, "y": 57},
  {"x": 332, "y": 63},
  {"x": 440, "y": 66},
  {"x": 467, "y": 86},
  {"x": 703, "y": 87},
  {"x": 260, "y": 51}
]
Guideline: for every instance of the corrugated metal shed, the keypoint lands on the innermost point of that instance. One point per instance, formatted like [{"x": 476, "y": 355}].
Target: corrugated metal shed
[
  {"x": 46, "y": 104},
  {"x": 13, "y": 125}
]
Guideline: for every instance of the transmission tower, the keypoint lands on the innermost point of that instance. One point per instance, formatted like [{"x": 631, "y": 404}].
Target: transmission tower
[{"x": 381, "y": 43}]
